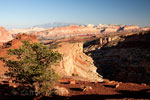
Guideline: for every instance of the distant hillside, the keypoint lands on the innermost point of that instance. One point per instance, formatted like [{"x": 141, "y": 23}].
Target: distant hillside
[{"x": 55, "y": 24}]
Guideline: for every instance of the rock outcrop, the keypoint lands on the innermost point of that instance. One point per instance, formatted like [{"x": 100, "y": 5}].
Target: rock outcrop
[
  {"x": 75, "y": 62},
  {"x": 5, "y": 36},
  {"x": 111, "y": 29},
  {"x": 125, "y": 58}
]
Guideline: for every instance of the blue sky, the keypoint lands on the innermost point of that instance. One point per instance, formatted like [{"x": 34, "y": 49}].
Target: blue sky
[{"x": 33, "y": 12}]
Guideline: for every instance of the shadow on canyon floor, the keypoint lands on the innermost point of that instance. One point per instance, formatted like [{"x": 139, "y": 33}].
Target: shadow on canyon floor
[
  {"x": 126, "y": 61},
  {"x": 143, "y": 94},
  {"x": 5, "y": 94}
]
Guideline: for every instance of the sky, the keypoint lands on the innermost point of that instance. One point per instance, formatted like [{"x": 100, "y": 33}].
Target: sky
[{"x": 23, "y": 13}]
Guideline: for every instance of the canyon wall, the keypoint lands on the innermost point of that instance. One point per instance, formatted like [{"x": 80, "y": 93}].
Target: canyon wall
[
  {"x": 75, "y": 62},
  {"x": 126, "y": 58}
]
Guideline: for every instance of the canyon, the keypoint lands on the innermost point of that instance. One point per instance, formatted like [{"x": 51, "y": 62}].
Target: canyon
[
  {"x": 123, "y": 57},
  {"x": 74, "y": 61},
  {"x": 112, "y": 60},
  {"x": 77, "y": 30}
]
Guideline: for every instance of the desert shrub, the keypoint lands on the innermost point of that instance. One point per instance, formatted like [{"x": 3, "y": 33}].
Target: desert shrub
[
  {"x": 32, "y": 64},
  {"x": 8, "y": 45},
  {"x": 74, "y": 74}
]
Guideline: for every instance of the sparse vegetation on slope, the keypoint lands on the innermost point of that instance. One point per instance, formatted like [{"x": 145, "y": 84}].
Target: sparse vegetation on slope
[{"x": 32, "y": 66}]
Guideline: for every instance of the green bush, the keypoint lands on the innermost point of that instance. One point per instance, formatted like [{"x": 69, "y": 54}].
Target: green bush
[{"x": 32, "y": 65}]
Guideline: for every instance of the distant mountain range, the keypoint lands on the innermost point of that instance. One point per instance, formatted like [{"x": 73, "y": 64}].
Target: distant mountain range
[{"x": 55, "y": 24}]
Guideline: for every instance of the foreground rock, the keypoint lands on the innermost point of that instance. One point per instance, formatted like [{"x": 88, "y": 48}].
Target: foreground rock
[
  {"x": 5, "y": 36},
  {"x": 60, "y": 91}
]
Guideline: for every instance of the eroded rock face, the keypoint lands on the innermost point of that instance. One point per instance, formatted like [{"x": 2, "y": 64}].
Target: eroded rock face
[
  {"x": 128, "y": 60},
  {"x": 5, "y": 36},
  {"x": 75, "y": 62},
  {"x": 111, "y": 29}
]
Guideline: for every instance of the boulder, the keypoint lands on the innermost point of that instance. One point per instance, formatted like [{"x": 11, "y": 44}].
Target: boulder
[
  {"x": 60, "y": 91},
  {"x": 86, "y": 88},
  {"x": 72, "y": 82}
]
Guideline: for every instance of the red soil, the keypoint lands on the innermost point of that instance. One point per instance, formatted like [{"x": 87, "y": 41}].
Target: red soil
[{"x": 99, "y": 91}]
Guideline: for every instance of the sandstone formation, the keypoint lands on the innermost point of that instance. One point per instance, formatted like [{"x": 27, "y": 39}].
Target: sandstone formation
[
  {"x": 27, "y": 30},
  {"x": 76, "y": 30},
  {"x": 125, "y": 58},
  {"x": 145, "y": 29},
  {"x": 131, "y": 28},
  {"x": 58, "y": 32},
  {"x": 5, "y": 36},
  {"x": 75, "y": 62},
  {"x": 90, "y": 25},
  {"x": 111, "y": 29},
  {"x": 61, "y": 32},
  {"x": 105, "y": 40}
]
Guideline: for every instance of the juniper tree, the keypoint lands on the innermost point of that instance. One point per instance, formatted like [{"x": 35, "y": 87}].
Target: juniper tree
[{"x": 32, "y": 64}]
